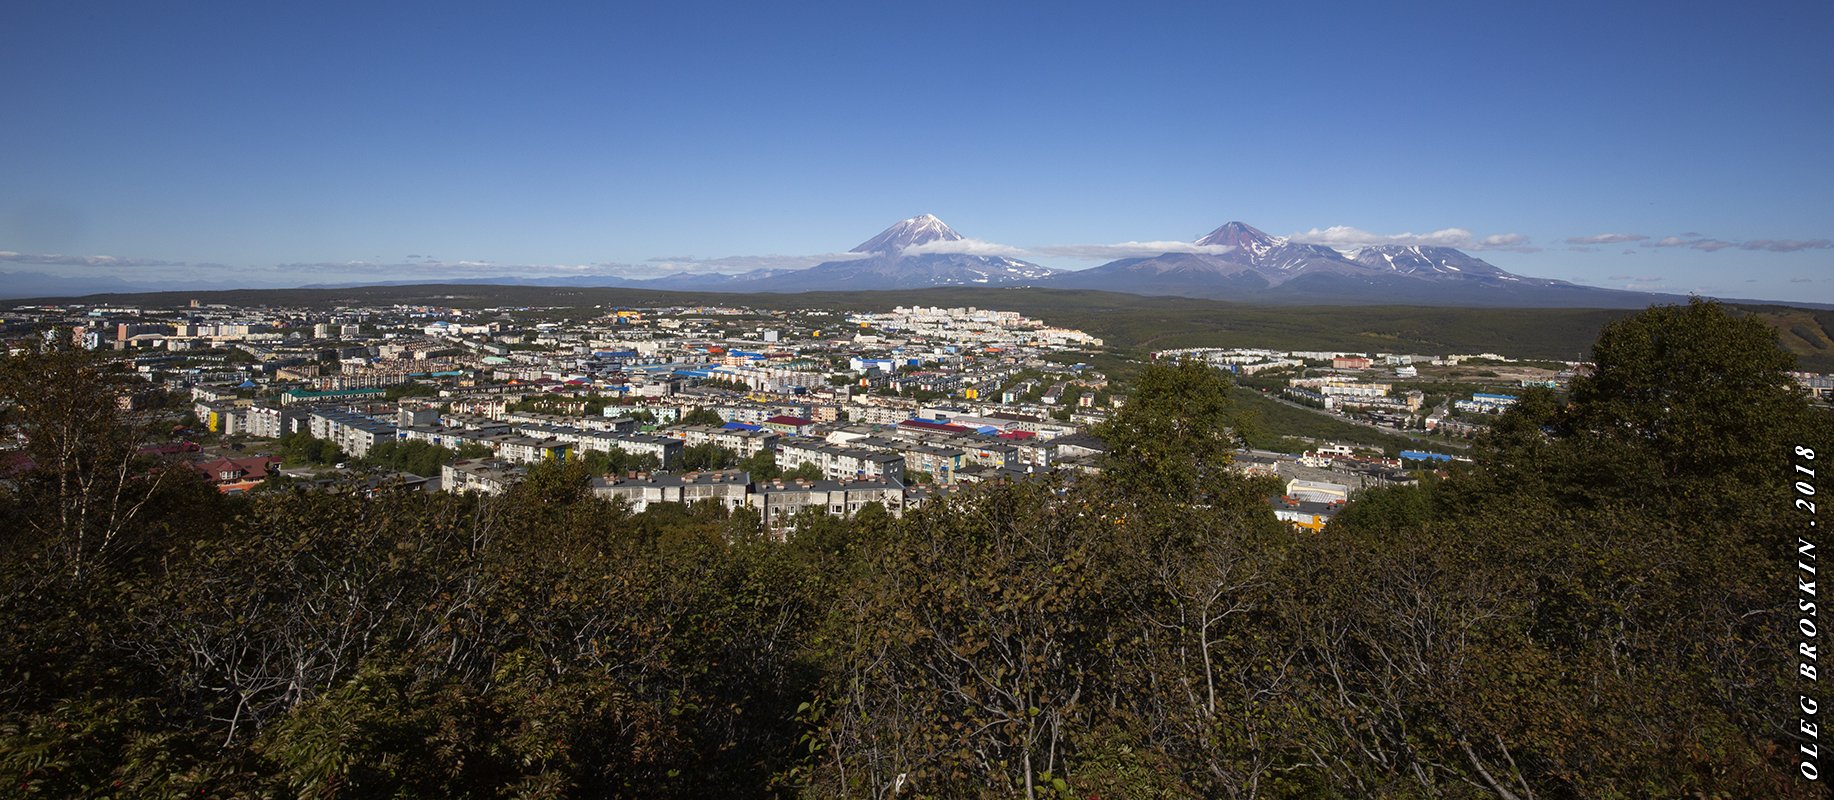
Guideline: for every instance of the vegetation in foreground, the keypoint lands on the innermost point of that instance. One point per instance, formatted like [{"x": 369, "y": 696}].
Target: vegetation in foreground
[{"x": 1597, "y": 608}]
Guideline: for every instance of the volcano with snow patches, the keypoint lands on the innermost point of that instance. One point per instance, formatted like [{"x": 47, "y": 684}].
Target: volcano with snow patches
[
  {"x": 1238, "y": 262},
  {"x": 914, "y": 253}
]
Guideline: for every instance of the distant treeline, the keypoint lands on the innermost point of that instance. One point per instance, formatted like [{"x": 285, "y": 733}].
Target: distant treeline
[{"x": 1602, "y": 605}]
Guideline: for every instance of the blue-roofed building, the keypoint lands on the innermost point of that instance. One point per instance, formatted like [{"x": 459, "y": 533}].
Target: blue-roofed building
[
  {"x": 1420, "y": 455},
  {"x": 1482, "y": 403}
]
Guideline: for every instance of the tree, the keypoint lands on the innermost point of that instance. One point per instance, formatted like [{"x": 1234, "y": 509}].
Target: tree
[
  {"x": 1174, "y": 439},
  {"x": 965, "y": 656},
  {"x": 90, "y": 485},
  {"x": 1693, "y": 398},
  {"x": 702, "y": 416},
  {"x": 304, "y": 448},
  {"x": 706, "y": 456},
  {"x": 410, "y": 389},
  {"x": 419, "y": 458},
  {"x": 762, "y": 465},
  {"x": 618, "y": 460},
  {"x": 806, "y": 471},
  {"x": 1633, "y": 536},
  {"x": 470, "y": 450}
]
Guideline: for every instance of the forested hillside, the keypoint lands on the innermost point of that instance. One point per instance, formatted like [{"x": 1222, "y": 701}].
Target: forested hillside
[{"x": 1600, "y": 606}]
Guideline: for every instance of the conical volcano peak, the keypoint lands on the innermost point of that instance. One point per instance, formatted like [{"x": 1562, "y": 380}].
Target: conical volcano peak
[
  {"x": 913, "y": 231},
  {"x": 1242, "y": 235}
]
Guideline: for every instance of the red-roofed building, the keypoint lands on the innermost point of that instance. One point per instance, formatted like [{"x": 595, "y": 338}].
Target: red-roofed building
[
  {"x": 238, "y": 474},
  {"x": 796, "y": 426},
  {"x": 935, "y": 426}
]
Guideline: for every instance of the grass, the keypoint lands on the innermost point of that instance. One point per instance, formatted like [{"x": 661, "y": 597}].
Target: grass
[{"x": 1282, "y": 425}]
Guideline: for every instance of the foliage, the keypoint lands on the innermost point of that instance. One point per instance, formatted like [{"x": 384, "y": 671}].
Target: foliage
[
  {"x": 762, "y": 465},
  {"x": 729, "y": 384},
  {"x": 470, "y": 450},
  {"x": 420, "y": 458},
  {"x": 1176, "y": 435},
  {"x": 301, "y": 448},
  {"x": 805, "y": 471},
  {"x": 707, "y": 456},
  {"x": 1591, "y": 609},
  {"x": 410, "y": 389},
  {"x": 618, "y": 461},
  {"x": 702, "y": 416}
]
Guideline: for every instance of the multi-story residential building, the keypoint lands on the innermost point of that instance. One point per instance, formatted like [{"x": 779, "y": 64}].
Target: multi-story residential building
[
  {"x": 792, "y": 426},
  {"x": 729, "y": 488},
  {"x": 530, "y": 450},
  {"x": 745, "y": 442},
  {"x": 779, "y": 501},
  {"x": 1306, "y": 514},
  {"x": 272, "y": 422},
  {"x": 940, "y": 463},
  {"x": 838, "y": 463},
  {"x": 484, "y": 475},
  {"x": 613, "y": 424},
  {"x": 353, "y": 433},
  {"x": 1482, "y": 403}
]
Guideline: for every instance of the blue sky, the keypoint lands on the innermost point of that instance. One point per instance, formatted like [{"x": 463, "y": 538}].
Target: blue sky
[{"x": 217, "y": 144}]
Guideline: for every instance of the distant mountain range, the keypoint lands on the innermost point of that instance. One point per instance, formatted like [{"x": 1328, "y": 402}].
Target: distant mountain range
[
  {"x": 1263, "y": 268},
  {"x": 1234, "y": 262}
]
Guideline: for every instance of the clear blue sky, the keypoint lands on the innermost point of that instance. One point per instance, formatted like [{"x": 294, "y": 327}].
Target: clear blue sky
[{"x": 213, "y": 143}]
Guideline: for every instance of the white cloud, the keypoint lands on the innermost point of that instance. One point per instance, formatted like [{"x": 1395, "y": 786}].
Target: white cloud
[
  {"x": 674, "y": 264},
  {"x": 1110, "y": 252},
  {"x": 1785, "y": 245},
  {"x": 466, "y": 268},
  {"x": 1709, "y": 245},
  {"x": 1344, "y": 237},
  {"x": 85, "y": 261},
  {"x": 1501, "y": 241},
  {"x": 1695, "y": 241},
  {"x": 1607, "y": 238},
  {"x": 971, "y": 247}
]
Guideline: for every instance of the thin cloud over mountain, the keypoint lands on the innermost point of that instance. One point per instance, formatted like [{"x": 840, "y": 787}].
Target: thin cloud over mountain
[
  {"x": 674, "y": 264},
  {"x": 1109, "y": 252},
  {"x": 967, "y": 247},
  {"x": 1607, "y": 238},
  {"x": 85, "y": 261},
  {"x": 1347, "y": 237}
]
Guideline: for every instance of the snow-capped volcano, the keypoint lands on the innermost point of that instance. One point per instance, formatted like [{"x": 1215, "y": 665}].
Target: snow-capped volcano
[
  {"x": 1423, "y": 260},
  {"x": 1242, "y": 236},
  {"x": 1263, "y": 267},
  {"x": 887, "y": 266},
  {"x": 907, "y": 233},
  {"x": 1254, "y": 261}
]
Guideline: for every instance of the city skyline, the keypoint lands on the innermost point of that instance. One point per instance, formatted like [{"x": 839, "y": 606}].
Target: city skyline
[{"x": 1657, "y": 148}]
